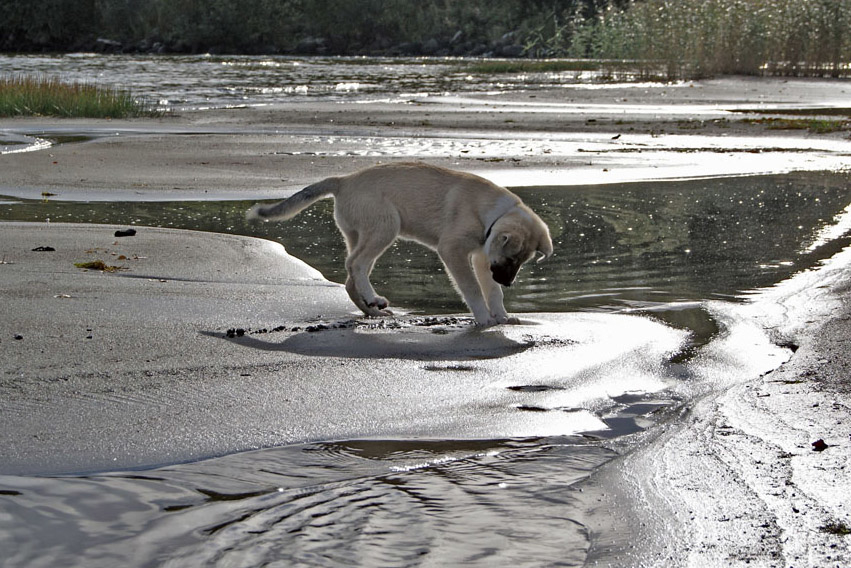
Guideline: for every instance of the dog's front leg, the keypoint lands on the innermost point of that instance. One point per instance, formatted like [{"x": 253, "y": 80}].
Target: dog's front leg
[
  {"x": 458, "y": 264},
  {"x": 491, "y": 290}
]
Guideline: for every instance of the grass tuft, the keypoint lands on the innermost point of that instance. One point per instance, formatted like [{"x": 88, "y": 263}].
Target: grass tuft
[
  {"x": 98, "y": 265},
  {"x": 39, "y": 95},
  {"x": 837, "y": 528}
]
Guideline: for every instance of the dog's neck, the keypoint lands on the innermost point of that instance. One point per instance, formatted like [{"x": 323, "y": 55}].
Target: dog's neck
[{"x": 505, "y": 204}]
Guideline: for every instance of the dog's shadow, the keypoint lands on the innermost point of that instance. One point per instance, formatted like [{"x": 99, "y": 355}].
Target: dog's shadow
[{"x": 412, "y": 342}]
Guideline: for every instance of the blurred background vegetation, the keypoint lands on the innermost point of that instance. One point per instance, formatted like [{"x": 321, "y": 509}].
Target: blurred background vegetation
[{"x": 668, "y": 38}]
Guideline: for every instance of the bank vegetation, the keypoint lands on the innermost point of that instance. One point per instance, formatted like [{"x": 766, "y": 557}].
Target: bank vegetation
[
  {"x": 29, "y": 95},
  {"x": 671, "y": 38}
]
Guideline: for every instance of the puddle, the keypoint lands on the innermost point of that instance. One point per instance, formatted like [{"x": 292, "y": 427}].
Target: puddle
[{"x": 13, "y": 143}]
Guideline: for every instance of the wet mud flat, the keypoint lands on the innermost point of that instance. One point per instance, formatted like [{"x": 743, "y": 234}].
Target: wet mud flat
[
  {"x": 753, "y": 474},
  {"x": 73, "y": 352},
  {"x": 539, "y": 407},
  {"x": 452, "y": 416}
]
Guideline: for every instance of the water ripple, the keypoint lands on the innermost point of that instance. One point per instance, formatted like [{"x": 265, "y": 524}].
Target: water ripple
[{"x": 367, "y": 503}]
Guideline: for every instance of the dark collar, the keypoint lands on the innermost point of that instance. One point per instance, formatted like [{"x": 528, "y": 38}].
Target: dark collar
[
  {"x": 488, "y": 232},
  {"x": 506, "y": 204}
]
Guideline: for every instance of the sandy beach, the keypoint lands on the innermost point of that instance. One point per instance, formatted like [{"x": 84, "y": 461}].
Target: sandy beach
[{"x": 135, "y": 368}]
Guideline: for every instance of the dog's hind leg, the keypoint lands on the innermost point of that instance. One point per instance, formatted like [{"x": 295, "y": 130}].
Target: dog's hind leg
[
  {"x": 364, "y": 250},
  {"x": 491, "y": 290}
]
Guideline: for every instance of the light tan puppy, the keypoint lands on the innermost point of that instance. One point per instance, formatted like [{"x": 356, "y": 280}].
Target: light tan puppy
[{"x": 482, "y": 232}]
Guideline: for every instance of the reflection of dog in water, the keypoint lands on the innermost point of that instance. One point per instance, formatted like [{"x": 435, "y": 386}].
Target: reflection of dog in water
[{"x": 482, "y": 232}]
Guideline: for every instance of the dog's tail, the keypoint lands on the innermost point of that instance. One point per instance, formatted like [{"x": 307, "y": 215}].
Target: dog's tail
[{"x": 294, "y": 204}]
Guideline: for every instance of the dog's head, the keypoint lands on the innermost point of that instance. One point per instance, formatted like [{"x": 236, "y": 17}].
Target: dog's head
[{"x": 513, "y": 240}]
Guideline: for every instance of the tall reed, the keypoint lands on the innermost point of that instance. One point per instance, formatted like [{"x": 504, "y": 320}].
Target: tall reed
[
  {"x": 697, "y": 38},
  {"x": 37, "y": 95}
]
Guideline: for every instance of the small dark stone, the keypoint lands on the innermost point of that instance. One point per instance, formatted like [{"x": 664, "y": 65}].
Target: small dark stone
[
  {"x": 533, "y": 388},
  {"x": 240, "y": 332},
  {"x": 530, "y": 408},
  {"x": 819, "y": 445},
  {"x": 19, "y": 337},
  {"x": 125, "y": 233},
  {"x": 230, "y": 333},
  {"x": 44, "y": 249}
]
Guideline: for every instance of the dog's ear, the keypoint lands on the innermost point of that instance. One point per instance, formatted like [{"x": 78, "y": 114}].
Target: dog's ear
[
  {"x": 545, "y": 249},
  {"x": 504, "y": 240}
]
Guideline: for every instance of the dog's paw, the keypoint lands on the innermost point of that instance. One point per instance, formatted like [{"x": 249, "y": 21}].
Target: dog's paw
[
  {"x": 502, "y": 317},
  {"x": 376, "y": 313},
  {"x": 497, "y": 320},
  {"x": 377, "y": 307},
  {"x": 379, "y": 303}
]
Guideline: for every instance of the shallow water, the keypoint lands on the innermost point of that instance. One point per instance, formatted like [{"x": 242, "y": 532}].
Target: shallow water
[
  {"x": 662, "y": 248},
  {"x": 369, "y": 503},
  {"x": 175, "y": 82}
]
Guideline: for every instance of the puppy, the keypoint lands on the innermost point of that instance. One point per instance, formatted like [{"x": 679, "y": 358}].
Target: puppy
[{"x": 482, "y": 232}]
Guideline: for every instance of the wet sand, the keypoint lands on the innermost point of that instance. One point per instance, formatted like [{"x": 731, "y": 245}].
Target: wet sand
[
  {"x": 733, "y": 481},
  {"x": 194, "y": 327}
]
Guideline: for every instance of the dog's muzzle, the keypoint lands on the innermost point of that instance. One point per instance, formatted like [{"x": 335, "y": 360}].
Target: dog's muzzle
[{"x": 504, "y": 273}]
